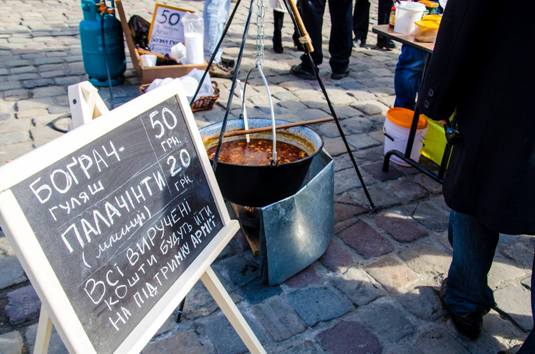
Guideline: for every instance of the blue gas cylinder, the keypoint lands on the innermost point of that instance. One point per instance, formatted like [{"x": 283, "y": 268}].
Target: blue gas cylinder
[{"x": 102, "y": 46}]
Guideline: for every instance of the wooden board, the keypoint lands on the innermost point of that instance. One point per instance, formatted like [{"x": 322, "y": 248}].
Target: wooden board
[
  {"x": 148, "y": 74},
  {"x": 388, "y": 31},
  {"x": 166, "y": 30},
  {"x": 115, "y": 221}
]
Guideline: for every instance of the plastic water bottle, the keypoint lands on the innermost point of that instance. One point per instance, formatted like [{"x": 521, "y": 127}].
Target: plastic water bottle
[{"x": 194, "y": 37}]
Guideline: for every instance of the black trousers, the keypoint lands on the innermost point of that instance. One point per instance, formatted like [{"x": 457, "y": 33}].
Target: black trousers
[
  {"x": 361, "y": 16},
  {"x": 340, "y": 41}
]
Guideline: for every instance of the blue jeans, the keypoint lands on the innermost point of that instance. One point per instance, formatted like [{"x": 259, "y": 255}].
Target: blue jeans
[
  {"x": 408, "y": 76},
  {"x": 467, "y": 291},
  {"x": 215, "y": 15}
]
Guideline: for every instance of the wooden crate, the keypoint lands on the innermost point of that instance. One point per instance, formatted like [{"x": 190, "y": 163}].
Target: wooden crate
[{"x": 148, "y": 74}]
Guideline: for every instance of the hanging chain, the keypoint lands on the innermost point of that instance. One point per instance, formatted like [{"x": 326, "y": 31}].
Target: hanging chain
[{"x": 260, "y": 15}]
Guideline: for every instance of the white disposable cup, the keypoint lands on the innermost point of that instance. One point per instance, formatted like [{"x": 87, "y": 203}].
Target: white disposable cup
[
  {"x": 148, "y": 59},
  {"x": 178, "y": 52},
  {"x": 407, "y": 13}
]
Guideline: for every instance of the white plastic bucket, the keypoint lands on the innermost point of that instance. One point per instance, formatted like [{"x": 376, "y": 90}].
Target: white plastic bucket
[
  {"x": 408, "y": 12},
  {"x": 396, "y": 139}
]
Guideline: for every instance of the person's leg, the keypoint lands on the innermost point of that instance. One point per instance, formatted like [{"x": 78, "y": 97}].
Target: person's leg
[
  {"x": 312, "y": 14},
  {"x": 529, "y": 344},
  {"x": 473, "y": 251},
  {"x": 408, "y": 76},
  {"x": 383, "y": 17},
  {"x": 340, "y": 42},
  {"x": 278, "y": 21},
  {"x": 361, "y": 19},
  {"x": 215, "y": 15}
]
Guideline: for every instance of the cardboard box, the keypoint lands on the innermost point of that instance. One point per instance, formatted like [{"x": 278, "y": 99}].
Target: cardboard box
[{"x": 148, "y": 74}]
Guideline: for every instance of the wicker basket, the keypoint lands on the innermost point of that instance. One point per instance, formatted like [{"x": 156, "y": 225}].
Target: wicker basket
[{"x": 204, "y": 103}]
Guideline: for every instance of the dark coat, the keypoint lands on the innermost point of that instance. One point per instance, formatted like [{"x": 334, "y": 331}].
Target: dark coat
[{"x": 483, "y": 67}]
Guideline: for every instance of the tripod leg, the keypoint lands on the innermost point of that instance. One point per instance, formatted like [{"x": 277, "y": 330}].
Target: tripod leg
[
  {"x": 212, "y": 57},
  {"x": 233, "y": 86},
  {"x": 293, "y": 16}
]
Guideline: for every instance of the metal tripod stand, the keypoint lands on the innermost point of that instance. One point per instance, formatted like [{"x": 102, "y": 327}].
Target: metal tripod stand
[{"x": 307, "y": 44}]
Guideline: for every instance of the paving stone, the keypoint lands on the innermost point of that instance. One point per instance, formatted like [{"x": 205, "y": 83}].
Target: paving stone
[
  {"x": 304, "y": 278},
  {"x": 365, "y": 240},
  {"x": 516, "y": 301},
  {"x": 314, "y": 305},
  {"x": 428, "y": 258},
  {"x": 380, "y": 197},
  {"x": 344, "y": 211},
  {"x": 502, "y": 273},
  {"x": 23, "y": 305},
  {"x": 256, "y": 291},
  {"x": 16, "y": 94},
  {"x": 15, "y": 137},
  {"x": 224, "y": 338},
  {"x": 401, "y": 227},
  {"x": 12, "y": 272},
  {"x": 5, "y": 246},
  {"x": 49, "y": 91},
  {"x": 357, "y": 125},
  {"x": 438, "y": 340},
  {"x": 182, "y": 342},
  {"x": 392, "y": 273},
  {"x": 10, "y": 85},
  {"x": 23, "y": 69},
  {"x": 496, "y": 334},
  {"x": 358, "y": 286},
  {"x": 32, "y": 113},
  {"x": 55, "y": 345},
  {"x": 518, "y": 249},
  {"x": 335, "y": 146},
  {"x": 406, "y": 190},
  {"x": 361, "y": 141},
  {"x": 391, "y": 326},
  {"x": 11, "y": 343},
  {"x": 401, "y": 349},
  {"x": 423, "y": 302},
  {"x": 278, "y": 318},
  {"x": 346, "y": 180},
  {"x": 431, "y": 215},
  {"x": 12, "y": 151},
  {"x": 429, "y": 184},
  {"x": 376, "y": 170},
  {"x": 304, "y": 347},
  {"x": 338, "y": 256},
  {"x": 237, "y": 271},
  {"x": 526, "y": 282},
  {"x": 349, "y": 337},
  {"x": 370, "y": 108},
  {"x": 29, "y": 84}
]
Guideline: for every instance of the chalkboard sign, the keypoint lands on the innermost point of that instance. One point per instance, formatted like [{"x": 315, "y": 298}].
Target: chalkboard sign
[
  {"x": 117, "y": 219},
  {"x": 166, "y": 30}
]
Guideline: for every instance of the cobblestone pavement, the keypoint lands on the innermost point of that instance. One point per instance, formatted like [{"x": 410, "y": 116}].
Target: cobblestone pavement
[{"x": 375, "y": 289}]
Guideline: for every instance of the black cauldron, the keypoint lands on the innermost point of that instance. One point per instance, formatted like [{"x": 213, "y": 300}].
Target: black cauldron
[{"x": 259, "y": 186}]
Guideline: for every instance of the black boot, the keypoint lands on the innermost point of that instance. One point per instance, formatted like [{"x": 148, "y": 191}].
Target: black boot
[{"x": 277, "y": 31}]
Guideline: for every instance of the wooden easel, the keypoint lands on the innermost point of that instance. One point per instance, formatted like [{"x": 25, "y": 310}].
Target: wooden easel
[{"x": 86, "y": 105}]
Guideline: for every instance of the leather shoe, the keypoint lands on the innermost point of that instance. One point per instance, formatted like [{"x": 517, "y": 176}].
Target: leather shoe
[
  {"x": 340, "y": 75},
  {"x": 302, "y": 72},
  {"x": 468, "y": 325}
]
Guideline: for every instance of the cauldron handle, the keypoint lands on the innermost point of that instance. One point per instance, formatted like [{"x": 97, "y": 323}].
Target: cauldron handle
[{"x": 273, "y": 125}]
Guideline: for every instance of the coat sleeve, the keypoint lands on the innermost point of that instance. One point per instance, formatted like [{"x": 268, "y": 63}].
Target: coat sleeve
[{"x": 458, "y": 31}]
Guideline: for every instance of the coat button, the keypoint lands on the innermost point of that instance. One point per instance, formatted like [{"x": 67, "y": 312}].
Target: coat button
[
  {"x": 426, "y": 104},
  {"x": 430, "y": 93}
]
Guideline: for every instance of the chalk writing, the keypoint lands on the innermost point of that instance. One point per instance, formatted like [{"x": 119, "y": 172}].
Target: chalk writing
[{"x": 122, "y": 218}]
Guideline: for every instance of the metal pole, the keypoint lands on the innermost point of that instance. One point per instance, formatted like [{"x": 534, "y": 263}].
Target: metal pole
[
  {"x": 212, "y": 57},
  {"x": 233, "y": 87},
  {"x": 331, "y": 108}
]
